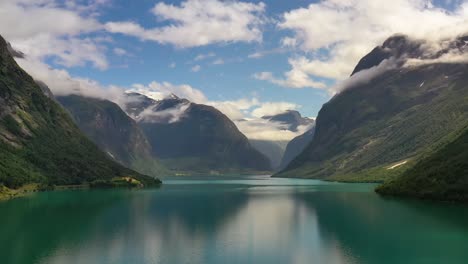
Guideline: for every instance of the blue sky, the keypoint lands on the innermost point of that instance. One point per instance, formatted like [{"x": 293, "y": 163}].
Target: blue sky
[
  {"x": 247, "y": 58},
  {"x": 148, "y": 61}
]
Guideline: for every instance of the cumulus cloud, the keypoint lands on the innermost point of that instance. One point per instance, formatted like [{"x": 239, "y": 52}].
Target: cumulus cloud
[
  {"x": 273, "y": 108},
  {"x": 245, "y": 113},
  {"x": 350, "y": 29},
  {"x": 235, "y": 109},
  {"x": 61, "y": 83},
  {"x": 199, "y": 22},
  {"x": 44, "y": 29}
]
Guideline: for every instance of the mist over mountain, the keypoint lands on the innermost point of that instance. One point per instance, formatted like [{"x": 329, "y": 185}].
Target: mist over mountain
[
  {"x": 194, "y": 138},
  {"x": 290, "y": 121},
  {"x": 390, "y": 117}
]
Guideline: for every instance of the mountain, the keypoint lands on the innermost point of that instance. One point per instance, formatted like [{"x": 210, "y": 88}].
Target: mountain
[
  {"x": 296, "y": 146},
  {"x": 39, "y": 143},
  {"x": 194, "y": 138},
  {"x": 378, "y": 127},
  {"x": 118, "y": 135},
  {"x": 272, "y": 149},
  {"x": 441, "y": 175},
  {"x": 290, "y": 120}
]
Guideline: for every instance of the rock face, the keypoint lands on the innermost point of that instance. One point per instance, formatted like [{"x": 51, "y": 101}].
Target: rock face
[
  {"x": 194, "y": 138},
  {"x": 296, "y": 146},
  {"x": 392, "y": 118},
  {"x": 118, "y": 135},
  {"x": 273, "y": 150},
  {"x": 39, "y": 141}
]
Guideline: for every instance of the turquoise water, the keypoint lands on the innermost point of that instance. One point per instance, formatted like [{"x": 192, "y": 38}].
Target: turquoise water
[{"x": 243, "y": 220}]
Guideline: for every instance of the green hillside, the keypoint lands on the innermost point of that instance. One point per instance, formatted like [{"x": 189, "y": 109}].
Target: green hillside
[
  {"x": 442, "y": 175},
  {"x": 39, "y": 143},
  {"x": 366, "y": 131},
  {"x": 109, "y": 127}
]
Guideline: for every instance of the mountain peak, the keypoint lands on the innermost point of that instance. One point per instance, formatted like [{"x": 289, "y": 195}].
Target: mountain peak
[
  {"x": 292, "y": 118},
  {"x": 396, "y": 41},
  {"x": 398, "y": 46}
]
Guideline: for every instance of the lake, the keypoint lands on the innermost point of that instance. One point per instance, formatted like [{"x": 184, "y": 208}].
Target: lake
[{"x": 231, "y": 220}]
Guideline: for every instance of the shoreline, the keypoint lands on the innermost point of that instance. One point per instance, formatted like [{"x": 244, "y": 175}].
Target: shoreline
[{"x": 7, "y": 194}]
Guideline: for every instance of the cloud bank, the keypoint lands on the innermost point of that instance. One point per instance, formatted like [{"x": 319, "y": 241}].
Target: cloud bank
[{"x": 332, "y": 35}]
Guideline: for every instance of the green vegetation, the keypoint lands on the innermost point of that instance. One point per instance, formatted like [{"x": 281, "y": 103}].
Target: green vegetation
[
  {"x": 39, "y": 143},
  {"x": 7, "y": 193},
  {"x": 117, "y": 182},
  {"x": 442, "y": 175},
  {"x": 398, "y": 116},
  {"x": 109, "y": 127}
]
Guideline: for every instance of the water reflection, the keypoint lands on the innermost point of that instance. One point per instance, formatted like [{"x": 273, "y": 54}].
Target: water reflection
[
  {"x": 231, "y": 222},
  {"x": 376, "y": 230}
]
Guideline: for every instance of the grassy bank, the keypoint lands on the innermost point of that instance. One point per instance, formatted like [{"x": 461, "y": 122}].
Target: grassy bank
[{"x": 116, "y": 182}]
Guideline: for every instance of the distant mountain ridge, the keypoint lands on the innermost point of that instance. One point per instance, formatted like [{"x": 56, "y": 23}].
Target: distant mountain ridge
[
  {"x": 291, "y": 120},
  {"x": 194, "y": 138},
  {"x": 296, "y": 146}
]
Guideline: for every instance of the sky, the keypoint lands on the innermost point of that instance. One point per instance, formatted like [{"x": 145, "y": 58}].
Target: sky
[{"x": 247, "y": 58}]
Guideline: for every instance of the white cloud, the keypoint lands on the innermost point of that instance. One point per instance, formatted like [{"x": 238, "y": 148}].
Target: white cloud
[
  {"x": 62, "y": 83},
  {"x": 120, "y": 51},
  {"x": 260, "y": 129},
  {"x": 196, "y": 68},
  {"x": 364, "y": 76},
  {"x": 349, "y": 29},
  {"x": 295, "y": 78},
  {"x": 171, "y": 115},
  {"x": 172, "y": 65},
  {"x": 158, "y": 91},
  {"x": 200, "y": 22},
  {"x": 245, "y": 113},
  {"x": 273, "y": 108},
  {"x": 43, "y": 29},
  {"x": 235, "y": 109},
  {"x": 263, "y": 53}
]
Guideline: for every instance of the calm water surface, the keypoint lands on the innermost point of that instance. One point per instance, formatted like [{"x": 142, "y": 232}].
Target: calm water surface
[{"x": 243, "y": 220}]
